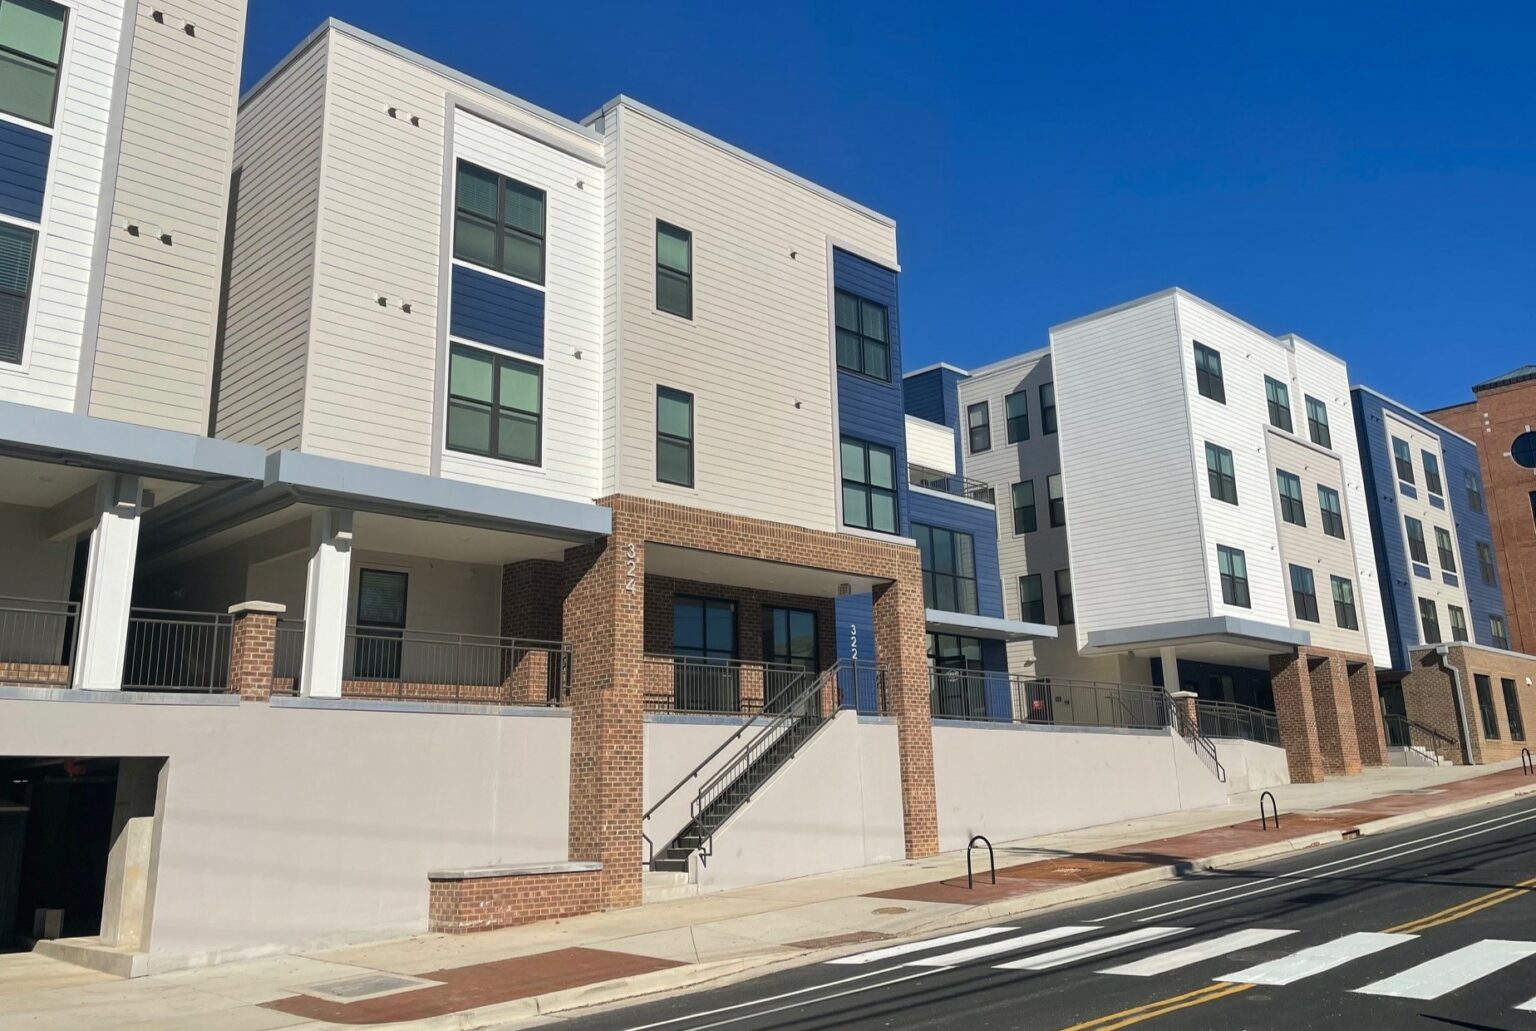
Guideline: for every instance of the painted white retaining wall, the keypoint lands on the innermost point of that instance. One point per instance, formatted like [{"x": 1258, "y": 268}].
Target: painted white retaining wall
[
  {"x": 674, "y": 745},
  {"x": 1250, "y": 765}
]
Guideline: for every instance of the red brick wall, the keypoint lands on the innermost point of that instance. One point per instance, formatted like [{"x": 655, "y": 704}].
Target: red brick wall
[
  {"x": 252, "y": 650},
  {"x": 34, "y": 674},
  {"x": 532, "y": 599},
  {"x": 751, "y": 631},
  {"x": 1429, "y": 698},
  {"x": 457, "y": 906},
  {"x": 1330, "y": 719}
]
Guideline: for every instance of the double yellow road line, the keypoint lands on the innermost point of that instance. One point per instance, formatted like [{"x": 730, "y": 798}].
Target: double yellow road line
[{"x": 1456, "y": 912}]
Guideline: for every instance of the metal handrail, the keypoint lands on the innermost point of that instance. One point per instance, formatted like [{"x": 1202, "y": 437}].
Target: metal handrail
[
  {"x": 1050, "y": 700},
  {"x": 991, "y": 860},
  {"x": 177, "y": 650},
  {"x": 714, "y": 685},
  {"x": 1216, "y": 717},
  {"x": 951, "y": 483},
  {"x": 1405, "y": 730},
  {"x": 1189, "y": 730},
  {"x": 37, "y": 631},
  {"x": 442, "y": 659}
]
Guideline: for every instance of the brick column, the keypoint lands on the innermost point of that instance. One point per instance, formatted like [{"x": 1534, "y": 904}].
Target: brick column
[
  {"x": 1293, "y": 710},
  {"x": 1335, "y": 713},
  {"x": 1370, "y": 729},
  {"x": 253, "y": 649},
  {"x": 1185, "y": 701},
  {"x": 528, "y": 682},
  {"x": 901, "y": 646},
  {"x": 750, "y": 680},
  {"x": 604, "y": 619}
]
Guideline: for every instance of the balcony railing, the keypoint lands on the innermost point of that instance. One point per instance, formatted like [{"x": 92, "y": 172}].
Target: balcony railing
[
  {"x": 951, "y": 483},
  {"x": 1002, "y": 697},
  {"x": 174, "y": 650},
  {"x": 37, "y": 637},
  {"x": 689, "y": 683},
  {"x": 862, "y": 686},
  {"x": 1231, "y": 720},
  {"x": 287, "y": 656},
  {"x": 425, "y": 665}
]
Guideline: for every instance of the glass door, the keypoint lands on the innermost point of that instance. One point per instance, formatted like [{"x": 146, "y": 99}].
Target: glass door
[
  {"x": 704, "y": 677},
  {"x": 789, "y": 639}
]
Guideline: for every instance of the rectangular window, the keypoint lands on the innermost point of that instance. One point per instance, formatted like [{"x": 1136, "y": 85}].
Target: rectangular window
[
  {"x": 31, "y": 48},
  {"x": 499, "y": 223},
  {"x": 1474, "y": 489},
  {"x": 1219, "y": 473},
  {"x": 1016, "y": 412},
  {"x": 674, "y": 437},
  {"x": 1333, "y": 513},
  {"x": 1031, "y": 599},
  {"x": 1065, "y": 613},
  {"x": 1512, "y": 710},
  {"x": 1208, "y": 374},
  {"x": 1304, "y": 593},
  {"x": 1432, "y": 474},
  {"x": 1292, "y": 510},
  {"x": 1402, "y": 457},
  {"x": 1279, "y": 397},
  {"x": 863, "y": 336},
  {"x": 1416, "y": 547},
  {"x": 1499, "y": 631},
  {"x": 1233, "y": 565},
  {"x": 17, "y": 248},
  {"x": 1317, "y": 423},
  {"x": 869, "y": 486},
  {"x": 1458, "y": 623},
  {"x": 1485, "y": 562},
  {"x": 380, "y": 624},
  {"x": 1443, "y": 546},
  {"x": 1024, "y": 520},
  {"x": 949, "y": 569},
  {"x": 495, "y": 405},
  {"x": 1055, "y": 501},
  {"x": 1429, "y": 621},
  {"x": 1344, "y": 604},
  {"x": 674, "y": 270},
  {"x": 1048, "y": 408},
  {"x": 978, "y": 420},
  {"x": 1490, "y": 719}
]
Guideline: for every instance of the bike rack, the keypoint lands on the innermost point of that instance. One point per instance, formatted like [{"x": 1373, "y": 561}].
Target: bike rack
[
  {"x": 991, "y": 860},
  {"x": 1526, "y": 766},
  {"x": 1274, "y": 807}
]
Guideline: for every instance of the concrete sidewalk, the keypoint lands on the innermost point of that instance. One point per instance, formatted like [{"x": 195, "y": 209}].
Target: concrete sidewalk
[{"x": 521, "y": 974}]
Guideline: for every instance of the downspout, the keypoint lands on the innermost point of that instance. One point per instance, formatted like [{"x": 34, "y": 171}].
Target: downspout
[{"x": 1441, "y": 652}]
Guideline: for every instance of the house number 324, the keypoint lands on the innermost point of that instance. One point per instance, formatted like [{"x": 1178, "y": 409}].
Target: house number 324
[{"x": 631, "y": 563}]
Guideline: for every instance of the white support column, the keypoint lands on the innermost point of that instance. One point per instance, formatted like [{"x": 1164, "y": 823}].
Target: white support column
[
  {"x": 325, "y": 603},
  {"x": 108, "y": 591}
]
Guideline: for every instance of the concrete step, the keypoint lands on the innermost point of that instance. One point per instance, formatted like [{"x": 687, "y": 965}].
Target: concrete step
[{"x": 665, "y": 886}]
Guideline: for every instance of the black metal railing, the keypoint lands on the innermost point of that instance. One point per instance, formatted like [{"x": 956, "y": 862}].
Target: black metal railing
[
  {"x": 426, "y": 665},
  {"x": 287, "y": 656},
  {"x": 1004, "y": 697},
  {"x": 1231, "y": 720},
  {"x": 37, "y": 639},
  {"x": 951, "y": 483},
  {"x": 861, "y": 686},
  {"x": 691, "y": 684},
  {"x": 1188, "y": 728},
  {"x": 175, "y": 650},
  {"x": 1421, "y": 745}
]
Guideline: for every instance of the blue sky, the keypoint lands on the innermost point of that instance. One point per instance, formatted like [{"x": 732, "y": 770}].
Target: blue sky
[{"x": 1361, "y": 174}]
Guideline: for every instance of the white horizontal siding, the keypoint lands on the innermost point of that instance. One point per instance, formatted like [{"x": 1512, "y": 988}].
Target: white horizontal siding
[{"x": 930, "y": 445}]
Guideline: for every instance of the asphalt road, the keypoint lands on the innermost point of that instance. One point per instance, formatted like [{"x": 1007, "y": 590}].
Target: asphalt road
[{"x": 1434, "y": 927}]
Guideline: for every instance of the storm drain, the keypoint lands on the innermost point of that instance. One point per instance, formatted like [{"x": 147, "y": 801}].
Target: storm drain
[{"x": 365, "y": 986}]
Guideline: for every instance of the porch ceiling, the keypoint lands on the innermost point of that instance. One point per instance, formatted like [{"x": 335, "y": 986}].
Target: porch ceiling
[
  {"x": 38, "y": 484},
  {"x": 713, "y": 567},
  {"x": 1223, "y": 640}
]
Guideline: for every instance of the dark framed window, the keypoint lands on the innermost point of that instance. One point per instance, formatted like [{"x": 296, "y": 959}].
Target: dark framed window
[
  {"x": 380, "y": 624},
  {"x": 1232, "y": 564},
  {"x": 1055, "y": 502},
  {"x": 1292, "y": 509},
  {"x": 674, "y": 436},
  {"x": 1485, "y": 562},
  {"x": 18, "y": 247},
  {"x": 1512, "y": 711},
  {"x": 863, "y": 336},
  {"x": 1402, "y": 457},
  {"x": 1317, "y": 423},
  {"x": 1332, "y": 511},
  {"x": 790, "y": 638},
  {"x": 1429, "y": 621},
  {"x": 1416, "y": 547},
  {"x": 1432, "y": 473},
  {"x": 1031, "y": 599},
  {"x": 1443, "y": 546},
  {"x": 1344, "y": 613},
  {"x": 869, "y": 486},
  {"x": 978, "y": 423},
  {"x": 1016, "y": 414},
  {"x": 1048, "y": 408},
  {"x": 499, "y": 223},
  {"x": 674, "y": 270},
  {"x": 1066, "y": 613},
  {"x": 1499, "y": 631},
  {"x": 949, "y": 568},
  {"x": 1208, "y": 374},
  {"x": 31, "y": 49},
  {"x": 1458, "y": 622},
  {"x": 1489, "y": 718},
  {"x": 495, "y": 405},
  {"x": 704, "y": 628},
  {"x": 1220, "y": 473},
  {"x": 1474, "y": 489},
  {"x": 1278, "y": 396},
  {"x": 1304, "y": 593},
  {"x": 1523, "y": 450},
  {"x": 1024, "y": 520}
]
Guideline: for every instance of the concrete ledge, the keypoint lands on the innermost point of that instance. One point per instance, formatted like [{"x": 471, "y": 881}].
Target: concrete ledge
[
  {"x": 386, "y": 705},
  {"x": 1051, "y": 728},
  {"x": 69, "y": 694},
  {"x": 511, "y": 870},
  {"x": 93, "y": 955},
  {"x": 702, "y": 719}
]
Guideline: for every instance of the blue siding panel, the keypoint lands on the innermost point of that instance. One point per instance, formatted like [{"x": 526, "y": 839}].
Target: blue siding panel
[
  {"x": 490, "y": 310},
  {"x": 856, "y": 641},
  {"x": 23, "y": 171}
]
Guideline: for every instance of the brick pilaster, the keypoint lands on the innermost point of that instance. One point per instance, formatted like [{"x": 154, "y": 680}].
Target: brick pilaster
[
  {"x": 901, "y": 646},
  {"x": 1335, "y": 713},
  {"x": 528, "y": 683},
  {"x": 1292, "y": 689},
  {"x": 1370, "y": 730},
  {"x": 1186, "y": 703},
  {"x": 253, "y": 649}
]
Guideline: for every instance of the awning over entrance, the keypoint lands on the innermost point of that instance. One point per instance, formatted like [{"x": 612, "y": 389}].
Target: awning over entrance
[{"x": 988, "y": 628}]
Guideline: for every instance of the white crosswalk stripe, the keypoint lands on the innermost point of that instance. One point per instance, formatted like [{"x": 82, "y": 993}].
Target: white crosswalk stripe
[
  {"x": 1177, "y": 959},
  {"x": 1444, "y": 974},
  {"x": 1087, "y": 950},
  {"x": 893, "y": 951},
  {"x": 1318, "y": 958},
  {"x": 997, "y": 948},
  {"x": 1529, "y": 1005}
]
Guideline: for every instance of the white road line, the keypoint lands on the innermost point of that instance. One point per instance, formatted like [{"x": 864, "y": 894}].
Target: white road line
[
  {"x": 1177, "y": 959},
  {"x": 1087, "y": 950},
  {"x": 1528, "y": 1005},
  {"x": 1276, "y": 883},
  {"x": 910, "y": 947},
  {"x": 997, "y": 948},
  {"x": 808, "y": 1002},
  {"x": 1454, "y": 970},
  {"x": 1318, "y": 958},
  {"x": 758, "y": 1002}
]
